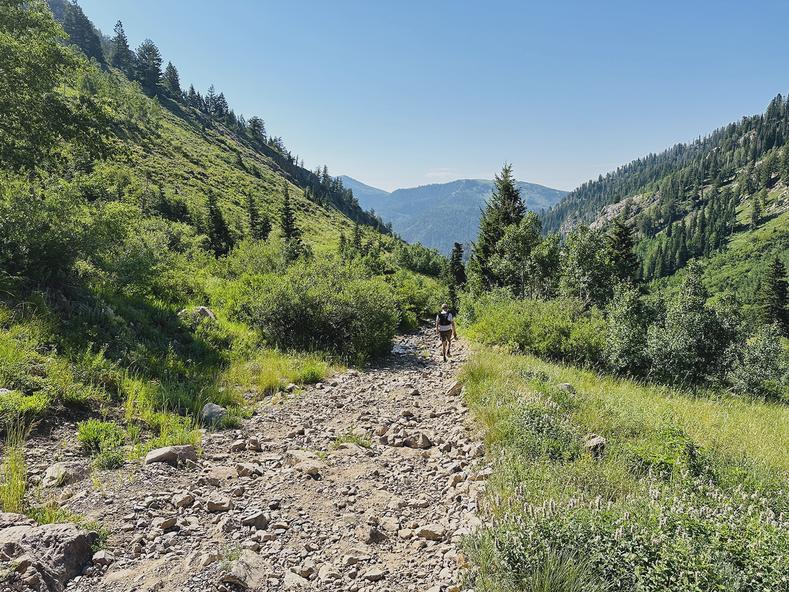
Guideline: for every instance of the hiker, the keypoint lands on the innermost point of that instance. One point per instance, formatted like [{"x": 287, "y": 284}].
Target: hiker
[{"x": 445, "y": 327}]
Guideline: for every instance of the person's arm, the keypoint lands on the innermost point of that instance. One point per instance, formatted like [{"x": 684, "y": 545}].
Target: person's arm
[
  {"x": 454, "y": 329},
  {"x": 437, "y": 331}
]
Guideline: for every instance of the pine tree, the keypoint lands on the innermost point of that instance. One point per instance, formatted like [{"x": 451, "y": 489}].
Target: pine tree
[
  {"x": 756, "y": 208},
  {"x": 210, "y": 100},
  {"x": 505, "y": 207},
  {"x": 356, "y": 241},
  {"x": 82, "y": 34},
  {"x": 257, "y": 128},
  {"x": 342, "y": 247},
  {"x": 123, "y": 57},
  {"x": 771, "y": 298},
  {"x": 784, "y": 168},
  {"x": 259, "y": 226},
  {"x": 288, "y": 219},
  {"x": 221, "y": 241},
  {"x": 457, "y": 270},
  {"x": 624, "y": 261},
  {"x": 149, "y": 66},
  {"x": 172, "y": 82}
]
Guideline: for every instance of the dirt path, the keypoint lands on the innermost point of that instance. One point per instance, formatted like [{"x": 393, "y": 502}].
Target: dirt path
[{"x": 279, "y": 505}]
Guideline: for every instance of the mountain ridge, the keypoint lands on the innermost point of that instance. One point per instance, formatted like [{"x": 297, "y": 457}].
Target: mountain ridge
[{"x": 417, "y": 213}]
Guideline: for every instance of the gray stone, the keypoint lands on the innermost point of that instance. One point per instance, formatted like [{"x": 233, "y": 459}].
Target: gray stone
[
  {"x": 51, "y": 554},
  {"x": 418, "y": 440},
  {"x": 172, "y": 455},
  {"x": 212, "y": 414},
  {"x": 595, "y": 445},
  {"x": 431, "y": 532},
  {"x": 247, "y": 572}
]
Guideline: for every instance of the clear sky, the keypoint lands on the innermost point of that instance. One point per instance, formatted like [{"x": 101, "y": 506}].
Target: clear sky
[{"x": 405, "y": 93}]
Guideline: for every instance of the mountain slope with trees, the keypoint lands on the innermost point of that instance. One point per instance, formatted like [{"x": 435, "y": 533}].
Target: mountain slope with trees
[{"x": 158, "y": 251}]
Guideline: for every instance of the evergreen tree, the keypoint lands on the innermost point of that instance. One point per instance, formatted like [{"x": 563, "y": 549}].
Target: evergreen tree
[
  {"x": 259, "y": 226},
  {"x": 771, "y": 298},
  {"x": 221, "y": 241},
  {"x": 288, "y": 219},
  {"x": 457, "y": 270},
  {"x": 624, "y": 261},
  {"x": 172, "y": 82},
  {"x": 220, "y": 106},
  {"x": 210, "y": 100},
  {"x": 342, "y": 247},
  {"x": 504, "y": 208},
  {"x": 149, "y": 66},
  {"x": 122, "y": 56},
  {"x": 357, "y": 238},
  {"x": 784, "y": 168},
  {"x": 257, "y": 128},
  {"x": 81, "y": 33},
  {"x": 756, "y": 208}
]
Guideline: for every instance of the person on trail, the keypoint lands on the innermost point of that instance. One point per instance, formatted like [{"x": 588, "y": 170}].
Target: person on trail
[{"x": 445, "y": 328}]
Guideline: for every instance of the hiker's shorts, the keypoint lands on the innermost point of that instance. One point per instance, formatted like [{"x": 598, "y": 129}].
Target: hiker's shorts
[{"x": 446, "y": 335}]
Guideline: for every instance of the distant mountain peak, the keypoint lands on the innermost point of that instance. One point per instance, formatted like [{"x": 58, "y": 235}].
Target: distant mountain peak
[{"x": 440, "y": 214}]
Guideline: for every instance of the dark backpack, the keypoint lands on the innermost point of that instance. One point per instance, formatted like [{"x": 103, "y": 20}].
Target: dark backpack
[{"x": 443, "y": 318}]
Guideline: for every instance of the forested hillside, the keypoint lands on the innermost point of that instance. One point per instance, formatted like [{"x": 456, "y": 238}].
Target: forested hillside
[{"x": 155, "y": 247}]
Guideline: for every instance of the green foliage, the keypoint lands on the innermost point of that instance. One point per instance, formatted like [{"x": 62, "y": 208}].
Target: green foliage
[
  {"x": 352, "y": 438},
  {"x": 36, "y": 115},
  {"x": 626, "y": 332},
  {"x": 13, "y": 467},
  {"x": 504, "y": 208},
  {"x": 762, "y": 366},
  {"x": 664, "y": 507},
  {"x": 555, "y": 329},
  {"x": 320, "y": 307},
  {"x": 686, "y": 346},
  {"x": 420, "y": 259},
  {"x": 95, "y": 435}
]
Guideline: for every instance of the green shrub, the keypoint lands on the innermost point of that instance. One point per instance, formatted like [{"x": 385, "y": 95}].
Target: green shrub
[
  {"x": 95, "y": 435},
  {"x": 555, "y": 329},
  {"x": 762, "y": 369},
  {"x": 108, "y": 459},
  {"x": 316, "y": 307}
]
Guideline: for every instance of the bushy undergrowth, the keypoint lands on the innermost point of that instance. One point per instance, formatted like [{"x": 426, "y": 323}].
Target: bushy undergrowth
[
  {"x": 666, "y": 507},
  {"x": 555, "y": 329},
  {"x": 685, "y": 342}
]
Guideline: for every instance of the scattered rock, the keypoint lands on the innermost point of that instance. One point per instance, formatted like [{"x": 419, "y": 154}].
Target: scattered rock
[
  {"x": 247, "y": 572},
  {"x": 455, "y": 389},
  {"x": 183, "y": 500},
  {"x": 103, "y": 558},
  {"x": 293, "y": 581},
  {"x": 566, "y": 387},
  {"x": 328, "y": 572},
  {"x": 374, "y": 574},
  {"x": 61, "y": 474},
  {"x": 48, "y": 555},
  {"x": 172, "y": 455},
  {"x": 431, "y": 532},
  {"x": 418, "y": 440},
  {"x": 212, "y": 414},
  {"x": 369, "y": 534},
  {"x": 595, "y": 445},
  {"x": 255, "y": 518},
  {"x": 217, "y": 504}
]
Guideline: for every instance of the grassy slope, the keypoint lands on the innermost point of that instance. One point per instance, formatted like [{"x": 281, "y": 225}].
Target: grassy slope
[
  {"x": 176, "y": 151},
  {"x": 667, "y": 518}
]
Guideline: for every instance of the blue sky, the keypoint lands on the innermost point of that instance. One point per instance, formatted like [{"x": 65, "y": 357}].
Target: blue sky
[{"x": 406, "y": 93}]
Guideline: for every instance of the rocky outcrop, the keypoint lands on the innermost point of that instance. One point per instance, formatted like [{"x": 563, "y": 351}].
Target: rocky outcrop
[{"x": 42, "y": 557}]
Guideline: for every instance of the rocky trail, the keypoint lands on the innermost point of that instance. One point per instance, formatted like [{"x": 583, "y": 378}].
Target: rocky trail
[{"x": 366, "y": 482}]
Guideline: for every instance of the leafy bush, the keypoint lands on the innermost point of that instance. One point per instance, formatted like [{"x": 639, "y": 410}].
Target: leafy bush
[
  {"x": 555, "y": 329},
  {"x": 315, "y": 306},
  {"x": 13, "y": 469},
  {"x": 762, "y": 368}
]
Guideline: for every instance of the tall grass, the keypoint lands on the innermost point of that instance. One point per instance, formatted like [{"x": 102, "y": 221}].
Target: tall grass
[
  {"x": 688, "y": 485},
  {"x": 13, "y": 470}
]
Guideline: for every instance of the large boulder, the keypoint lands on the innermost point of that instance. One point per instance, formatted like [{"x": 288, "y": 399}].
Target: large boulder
[
  {"x": 60, "y": 474},
  {"x": 172, "y": 455},
  {"x": 248, "y": 572},
  {"x": 44, "y": 557},
  {"x": 595, "y": 445}
]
